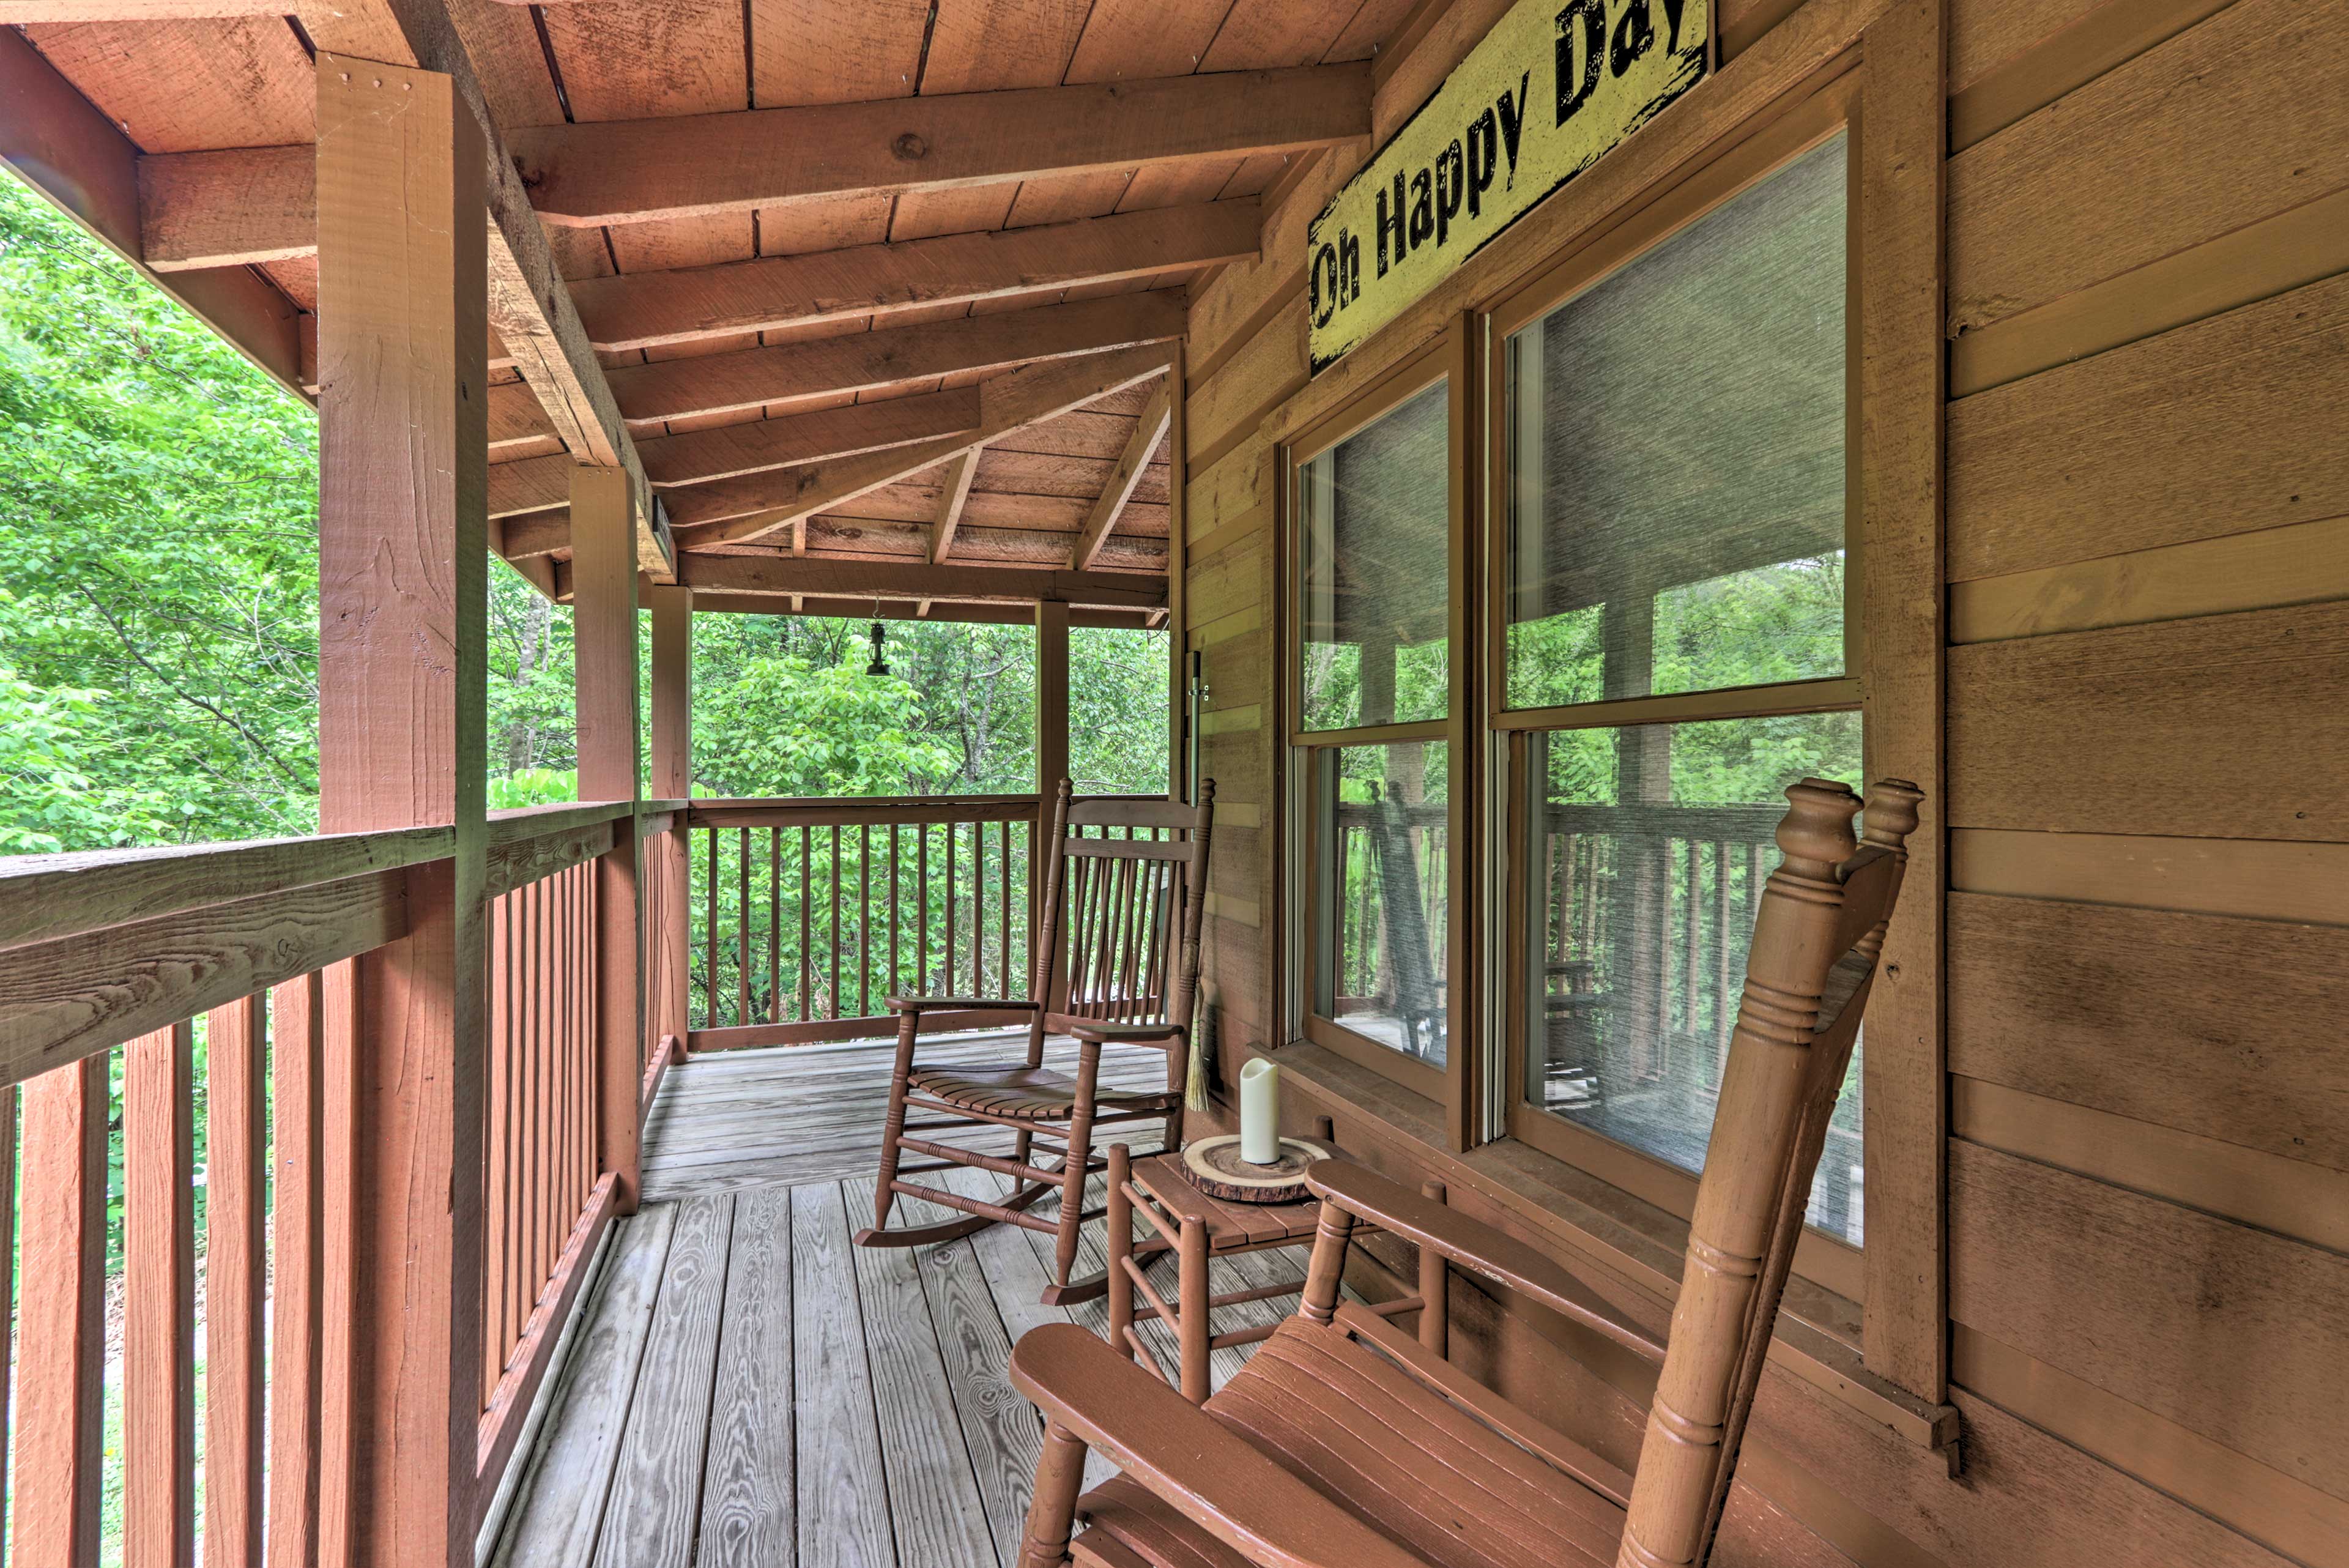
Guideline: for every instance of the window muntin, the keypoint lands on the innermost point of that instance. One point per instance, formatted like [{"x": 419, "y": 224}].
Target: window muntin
[
  {"x": 1374, "y": 584},
  {"x": 1648, "y": 847},
  {"x": 1677, "y": 452},
  {"x": 1381, "y": 835}
]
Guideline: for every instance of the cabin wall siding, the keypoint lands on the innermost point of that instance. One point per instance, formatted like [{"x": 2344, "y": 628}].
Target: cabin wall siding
[{"x": 2147, "y": 545}]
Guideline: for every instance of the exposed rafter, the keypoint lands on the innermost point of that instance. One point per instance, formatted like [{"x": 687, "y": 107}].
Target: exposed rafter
[
  {"x": 1131, "y": 464},
  {"x": 952, "y": 497},
  {"x": 752, "y": 447},
  {"x": 1020, "y": 398}
]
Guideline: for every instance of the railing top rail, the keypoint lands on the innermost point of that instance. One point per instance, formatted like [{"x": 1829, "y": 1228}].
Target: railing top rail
[
  {"x": 862, "y": 801},
  {"x": 519, "y": 822},
  {"x": 44, "y": 897}
]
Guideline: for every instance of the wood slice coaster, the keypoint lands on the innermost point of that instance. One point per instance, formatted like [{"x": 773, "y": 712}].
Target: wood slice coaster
[{"x": 1214, "y": 1165}]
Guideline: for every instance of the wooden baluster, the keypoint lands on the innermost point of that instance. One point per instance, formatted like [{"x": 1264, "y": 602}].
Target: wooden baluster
[
  {"x": 834, "y": 941},
  {"x": 1003, "y": 919},
  {"x": 864, "y": 920},
  {"x": 894, "y": 971},
  {"x": 1129, "y": 937},
  {"x": 922, "y": 908},
  {"x": 8, "y": 1279},
  {"x": 710, "y": 932},
  {"x": 236, "y": 1276},
  {"x": 978, "y": 908},
  {"x": 807, "y": 909},
  {"x": 741, "y": 926},
  {"x": 548, "y": 982},
  {"x": 774, "y": 925},
  {"x": 158, "y": 1289},
  {"x": 947, "y": 975},
  {"x": 297, "y": 1244},
  {"x": 61, "y": 1325},
  {"x": 497, "y": 1209}
]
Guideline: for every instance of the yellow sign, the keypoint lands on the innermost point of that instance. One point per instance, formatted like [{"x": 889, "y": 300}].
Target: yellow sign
[{"x": 1552, "y": 88}]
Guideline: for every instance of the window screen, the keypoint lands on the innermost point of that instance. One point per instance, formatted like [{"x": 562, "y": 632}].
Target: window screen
[
  {"x": 1677, "y": 460},
  {"x": 1375, "y": 517},
  {"x": 1382, "y": 848}
]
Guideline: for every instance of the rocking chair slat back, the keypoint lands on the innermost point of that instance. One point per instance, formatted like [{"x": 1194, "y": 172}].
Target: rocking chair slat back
[
  {"x": 1123, "y": 907},
  {"x": 1816, "y": 940}
]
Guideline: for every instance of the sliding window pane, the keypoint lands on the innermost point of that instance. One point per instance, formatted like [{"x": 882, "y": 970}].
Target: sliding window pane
[
  {"x": 1375, "y": 515},
  {"x": 1677, "y": 460},
  {"x": 1382, "y": 847},
  {"x": 1648, "y": 849}
]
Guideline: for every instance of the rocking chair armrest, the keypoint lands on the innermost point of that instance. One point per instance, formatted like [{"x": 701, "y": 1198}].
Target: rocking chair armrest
[
  {"x": 1189, "y": 1460},
  {"x": 1477, "y": 1247},
  {"x": 954, "y": 1003},
  {"x": 1160, "y": 1034}
]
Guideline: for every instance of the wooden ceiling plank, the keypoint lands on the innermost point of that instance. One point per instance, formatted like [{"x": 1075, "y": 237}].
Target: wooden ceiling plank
[
  {"x": 1006, "y": 403},
  {"x": 635, "y": 171},
  {"x": 893, "y": 357},
  {"x": 1148, "y": 431},
  {"x": 809, "y": 575},
  {"x": 953, "y": 497}
]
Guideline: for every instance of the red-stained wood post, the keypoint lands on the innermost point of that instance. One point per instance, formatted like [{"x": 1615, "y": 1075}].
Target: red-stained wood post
[
  {"x": 61, "y": 1327},
  {"x": 402, "y": 553},
  {"x": 672, "y": 749},
  {"x": 236, "y": 1284},
  {"x": 604, "y": 637}
]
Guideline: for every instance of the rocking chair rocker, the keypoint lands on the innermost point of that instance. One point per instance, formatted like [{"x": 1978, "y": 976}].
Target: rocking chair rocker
[
  {"x": 1343, "y": 1444},
  {"x": 1117, "y": 964}
]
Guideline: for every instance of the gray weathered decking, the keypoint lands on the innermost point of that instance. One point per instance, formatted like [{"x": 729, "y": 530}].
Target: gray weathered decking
[{"x": 746, "y": 1388}]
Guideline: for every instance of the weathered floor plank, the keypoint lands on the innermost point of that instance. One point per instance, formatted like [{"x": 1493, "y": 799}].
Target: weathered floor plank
[
  {"x": 559, "y": 1507},
  {"x": 747, "y": 1495},
  {"x": 655, "y": 1506},
  {"x": 842, "y": 1515},
  {"x": 934, "y": 1502}
]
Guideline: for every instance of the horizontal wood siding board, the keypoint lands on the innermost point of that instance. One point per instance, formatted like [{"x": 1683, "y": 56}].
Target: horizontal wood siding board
[
  {"x": 2227, "y": 426},
  {"x": 2220, "y": 1026},
  {"x": 2300, "y": 562},
  {"x": 2012, "y": 57},
  {"x": 2230, "y": 122},
  {"x": 2264, "y": 879},
  {"x": 2294, "y": 1197},
  {"x": 2228, "y": 1331},
  {"x": 2133, "y": 718}
]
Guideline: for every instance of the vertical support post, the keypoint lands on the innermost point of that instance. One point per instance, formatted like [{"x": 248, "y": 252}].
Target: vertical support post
[
  {"x": 1052, "y": 700},
  {"x": 1193, "y": 1327},
  {"x": 603, "y": 635},
  {"x": 402, "y": 543},
  {"x": 672, "y": 749},
  {"x": 1178, "y": 557}
]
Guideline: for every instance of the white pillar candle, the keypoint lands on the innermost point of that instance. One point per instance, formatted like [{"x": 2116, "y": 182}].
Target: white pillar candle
[{"x": 1260, "y": 1113}]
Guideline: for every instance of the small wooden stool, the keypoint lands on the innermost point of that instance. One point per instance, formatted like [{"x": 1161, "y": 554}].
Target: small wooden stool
[{"x": 1198, "y": 1228}]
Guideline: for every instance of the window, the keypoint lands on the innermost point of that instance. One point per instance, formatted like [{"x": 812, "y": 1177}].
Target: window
[
  {"x": 1675, "y": 647},
  {"x": 1375, "y": 723}
]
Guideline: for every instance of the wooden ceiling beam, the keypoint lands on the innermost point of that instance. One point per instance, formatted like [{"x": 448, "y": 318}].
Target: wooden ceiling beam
[
  {"x": 1021, "y": 398},
  {"x": 1148, "y": 431},
  {"x": 891, "y": 357},
  {"x": 593, "y": 174},
  {"x": 814, "y": 575},
  {"x": 1022, "y": 614},
  {"x": 731, "y": 451}
]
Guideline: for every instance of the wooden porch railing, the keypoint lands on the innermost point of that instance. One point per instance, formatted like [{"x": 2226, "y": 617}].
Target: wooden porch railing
[{"x": 247, "y": 952}]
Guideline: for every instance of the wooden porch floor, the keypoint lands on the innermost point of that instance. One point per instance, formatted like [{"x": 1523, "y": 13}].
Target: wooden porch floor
[{"x": 746, "y": 1388}]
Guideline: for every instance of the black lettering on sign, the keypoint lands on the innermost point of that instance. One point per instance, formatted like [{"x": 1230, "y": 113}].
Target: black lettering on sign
[
  {"x": 1576, "y": 83},
  {"x": 1484, "y": 154},
  {"x": 1451, "y": 179},
  {"x": 1422, "y": 208},
  {"x": 1391, "y": 221},
  {"x": 1635, "y": 35},
  {"x": 1513, "y": 125}
]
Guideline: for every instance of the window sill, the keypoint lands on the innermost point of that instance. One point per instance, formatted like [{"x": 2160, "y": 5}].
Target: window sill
[{"x": 1632, "y": 1250}]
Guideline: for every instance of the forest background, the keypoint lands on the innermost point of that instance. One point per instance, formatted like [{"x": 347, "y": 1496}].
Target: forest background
[{"x": 159, "y": 612}]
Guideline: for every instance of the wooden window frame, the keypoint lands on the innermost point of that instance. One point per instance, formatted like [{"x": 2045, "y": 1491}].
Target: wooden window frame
[
  {"x": 1825, "y": 1260},
  {"x": 1446, "y": 361}
]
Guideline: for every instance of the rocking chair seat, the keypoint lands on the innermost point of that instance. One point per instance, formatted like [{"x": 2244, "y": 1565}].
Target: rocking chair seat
[
  {"x": 1028, "y": 1094},
  {"x": 1412, "y": 1466}
]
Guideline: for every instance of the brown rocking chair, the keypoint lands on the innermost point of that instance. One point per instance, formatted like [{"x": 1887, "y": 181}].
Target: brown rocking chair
[
  {"x": 1117, "y": 964},
  {"x": 1343, "y": 1444}
]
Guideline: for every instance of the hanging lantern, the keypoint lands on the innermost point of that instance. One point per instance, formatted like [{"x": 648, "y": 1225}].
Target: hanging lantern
[{"x": 878, "y": 666}]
